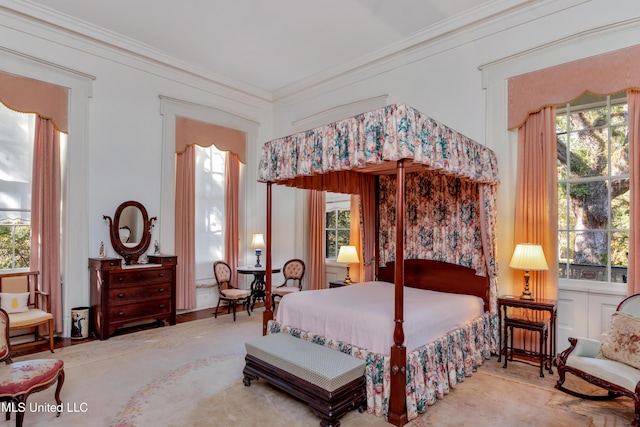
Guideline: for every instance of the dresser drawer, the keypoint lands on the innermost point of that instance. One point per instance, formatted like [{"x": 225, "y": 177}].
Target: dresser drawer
[
  {"x": 142, "y": 276},
  {"x": 129, "y": 312},
  {"x": 126, "y": 295}
]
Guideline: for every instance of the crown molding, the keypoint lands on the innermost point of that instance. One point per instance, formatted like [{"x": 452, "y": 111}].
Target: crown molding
[
  {"x": 51, "y": 25},
  {"x": 476, "y": 24}
]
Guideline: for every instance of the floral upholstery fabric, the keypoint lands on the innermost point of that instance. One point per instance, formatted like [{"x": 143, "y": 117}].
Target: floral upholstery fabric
[
  {"x": 391, "y": 133},
  {"x": 622, "y": 344},
  {"x": 22, "y": 377},
  {"x": 432, "y": 370}
]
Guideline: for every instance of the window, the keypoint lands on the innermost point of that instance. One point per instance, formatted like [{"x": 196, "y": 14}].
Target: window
[
  {"x": 209, "y": 208},
  {"x": 16, "y": 163},
  {"x": 337, "y": 223},
  {"x": 593, "y": 189}
]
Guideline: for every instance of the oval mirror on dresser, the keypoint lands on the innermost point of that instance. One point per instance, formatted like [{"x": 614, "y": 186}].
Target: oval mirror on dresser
[{"x": 130, "y": 231}]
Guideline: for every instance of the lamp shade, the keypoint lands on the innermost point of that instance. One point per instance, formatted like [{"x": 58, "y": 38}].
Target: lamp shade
[
  {"x": 528, "y": 257},
  {"x": 257, "y": 242},
  {"x": 348, "y": 255}
]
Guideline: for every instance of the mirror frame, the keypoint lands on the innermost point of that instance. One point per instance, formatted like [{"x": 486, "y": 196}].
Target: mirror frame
[{"x": 130, "y": 254}]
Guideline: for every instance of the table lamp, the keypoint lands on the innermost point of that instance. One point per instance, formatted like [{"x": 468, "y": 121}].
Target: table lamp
[
  {"x": 528, "y": 257},
  {"x": 257, "y": 243},
  {"x": 347, "y": 255}
]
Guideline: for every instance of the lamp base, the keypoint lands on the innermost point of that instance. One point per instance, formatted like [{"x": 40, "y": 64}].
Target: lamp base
[
  {"x": 347, "y": 279},
  {"x": 526, "y": 293}
]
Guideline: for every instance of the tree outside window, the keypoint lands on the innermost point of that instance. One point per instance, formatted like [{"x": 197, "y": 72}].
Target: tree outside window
[{"x": 593, "y": 189}]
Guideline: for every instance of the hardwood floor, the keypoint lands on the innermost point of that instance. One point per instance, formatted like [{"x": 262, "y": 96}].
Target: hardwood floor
[{"x": 180, "y": 318}]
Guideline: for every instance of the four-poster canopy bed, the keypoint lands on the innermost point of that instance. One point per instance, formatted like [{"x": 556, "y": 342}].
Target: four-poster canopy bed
[{"x": 448, "y": 179}]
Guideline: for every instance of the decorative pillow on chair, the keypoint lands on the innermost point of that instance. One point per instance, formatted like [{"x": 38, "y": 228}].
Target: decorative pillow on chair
[
  {"x": 623, "y": 342},
  {"x": 14, "y": 303}
]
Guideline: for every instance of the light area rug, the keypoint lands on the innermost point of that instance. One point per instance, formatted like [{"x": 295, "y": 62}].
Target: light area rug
[{"x": 191, "y": 375}]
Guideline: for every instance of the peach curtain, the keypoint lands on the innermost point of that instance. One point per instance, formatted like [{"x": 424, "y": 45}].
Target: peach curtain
[
  {"x": 185, "y": 229},
  {"x": 231, "y": 214},
  {"x": 357, "y": 274},
  {"x": 367, "y": 186},
  {"x": 317, "y": 254},
  {"x": 536, "y": 196},
  {"x": 633, "y": 98},
  {"x": 189, "y": 132},
  {"x": 50, "y": 104},
  {"x": 45, "y": 214},
  {"x": 34, "y": 96},
  {"x": 602, "y": 75}
]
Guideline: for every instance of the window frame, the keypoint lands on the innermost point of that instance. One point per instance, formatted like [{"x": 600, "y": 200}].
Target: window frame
[{"x": 579, "y": 283}]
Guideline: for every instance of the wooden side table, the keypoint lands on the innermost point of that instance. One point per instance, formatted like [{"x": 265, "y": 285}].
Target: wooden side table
[{"x": 548, "y": 305}]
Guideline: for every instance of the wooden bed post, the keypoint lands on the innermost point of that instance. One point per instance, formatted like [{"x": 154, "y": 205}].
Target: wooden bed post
[
  {"x": 268, "y": 312},
  {"x": 397, "y": 397}
]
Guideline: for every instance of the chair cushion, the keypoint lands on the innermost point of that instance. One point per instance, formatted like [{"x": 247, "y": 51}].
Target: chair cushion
[
  {"x": 28, "y": 318},
  {"x": 285, "y": 290},
  {"x": 609, "y": 370},
  {"x": 622, "y": 344},
  {"x": 22, "y": 377},
  {"x": 236, "y": 293},
  {"x": 14, "y": 303}
]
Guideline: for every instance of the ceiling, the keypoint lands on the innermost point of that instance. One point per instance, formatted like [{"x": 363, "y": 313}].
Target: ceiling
[{"x": 264, "y": 47}]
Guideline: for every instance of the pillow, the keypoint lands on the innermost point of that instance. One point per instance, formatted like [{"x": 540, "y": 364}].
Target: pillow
[
  {"x": 623, "y": 342},
  {"x": 14, "y": 303}
]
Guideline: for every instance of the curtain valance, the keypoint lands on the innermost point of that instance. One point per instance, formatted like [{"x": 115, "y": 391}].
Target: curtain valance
[
  {"x": 368, "y": 140},
  {"x": 27, "y": 95},
  {"x": 189, "y": 132},
  {"x": 604, "y": 74}
]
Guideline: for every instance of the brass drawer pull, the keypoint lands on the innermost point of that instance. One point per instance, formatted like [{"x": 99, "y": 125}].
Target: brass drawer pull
[
  {"x": 121, "y": 313},
  {"x": 120, "y": 295}
]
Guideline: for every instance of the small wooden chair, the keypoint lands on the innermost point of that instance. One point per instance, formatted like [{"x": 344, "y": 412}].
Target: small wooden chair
[
  {"x": 293, "y": 272},
  {"x": 227, "y": 292},
  {"x": 20, "y": 379},
  {"x": 27, "y": 306}
]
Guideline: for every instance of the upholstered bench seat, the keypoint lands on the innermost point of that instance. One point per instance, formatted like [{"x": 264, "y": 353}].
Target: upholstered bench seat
[{"x": 330, "y": 382}]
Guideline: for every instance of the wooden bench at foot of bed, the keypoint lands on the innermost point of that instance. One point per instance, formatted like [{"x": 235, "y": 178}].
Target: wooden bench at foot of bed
[{"x": 330, "y": 382}]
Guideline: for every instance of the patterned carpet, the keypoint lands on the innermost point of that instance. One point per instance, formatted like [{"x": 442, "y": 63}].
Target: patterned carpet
[{"x": 191, "y": 375}]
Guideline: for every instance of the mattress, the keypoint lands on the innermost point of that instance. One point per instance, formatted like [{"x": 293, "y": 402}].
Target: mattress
[{"x": 363, "y": 314}]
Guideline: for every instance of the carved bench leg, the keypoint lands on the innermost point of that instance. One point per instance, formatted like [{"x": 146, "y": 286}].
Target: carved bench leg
[{"x": 248, "y": 378}]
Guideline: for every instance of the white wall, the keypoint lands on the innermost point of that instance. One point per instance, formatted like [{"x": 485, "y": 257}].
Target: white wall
[{"x": 116, "y": 134}]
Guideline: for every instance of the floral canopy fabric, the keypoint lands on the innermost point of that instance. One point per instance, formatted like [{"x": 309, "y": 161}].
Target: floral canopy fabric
[{"x": 366, "y": 141}]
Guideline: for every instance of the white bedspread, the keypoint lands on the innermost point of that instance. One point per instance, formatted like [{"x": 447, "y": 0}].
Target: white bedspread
[{"x": 362, "y": 314}]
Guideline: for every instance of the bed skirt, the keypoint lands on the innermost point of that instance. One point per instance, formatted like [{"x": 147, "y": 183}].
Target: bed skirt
[{"x": 432, "y": 369}]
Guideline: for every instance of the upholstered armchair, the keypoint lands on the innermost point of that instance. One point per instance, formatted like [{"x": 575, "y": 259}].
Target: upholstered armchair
[
  {"x": 18, "y": 380},
  {"x": 28, "y": 307},
  {"x": 613, "y": 363},
  {"x": 293, "y": 272},
  {"x": 227, "y": 292}
]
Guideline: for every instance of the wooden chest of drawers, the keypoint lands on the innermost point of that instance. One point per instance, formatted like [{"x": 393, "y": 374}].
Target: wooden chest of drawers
[{"x": 122, "y": 296}]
